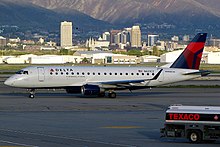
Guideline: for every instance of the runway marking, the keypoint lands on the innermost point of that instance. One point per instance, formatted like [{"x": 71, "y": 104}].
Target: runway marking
[
  {"x": 69, "y": 138},
  {"x": 10, "y": 146},
  {"x": 15, "y": 143},
  {"x": 122, "y": 127}
]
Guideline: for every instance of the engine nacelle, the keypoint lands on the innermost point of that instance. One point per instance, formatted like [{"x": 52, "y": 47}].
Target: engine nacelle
[
  {"x": 76, "y": 89},
  {"x": 90, "y": 90}
]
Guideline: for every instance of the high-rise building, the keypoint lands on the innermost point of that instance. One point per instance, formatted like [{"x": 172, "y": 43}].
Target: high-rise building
[
  {"x": 214, "y": 42},
  {"x": 175, "y": 38},
  {"x": 118, "y": 38},
  {"x": 66, "y": 34},
  {"x": 2, "y": 41},
  {"x": 136, "y": 36},
  {"x": 112, "y": 36},
  {"x": 124, "y": 37},
  {"x": 186, "y": 38},
  {"x": 128, "y": 34},
  {"x": 106, "y": 36},
  {"x": 152, "y": 39}
]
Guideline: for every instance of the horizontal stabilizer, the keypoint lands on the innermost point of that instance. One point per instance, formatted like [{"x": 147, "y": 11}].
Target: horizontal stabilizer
[{"x": 201, "y": 72}]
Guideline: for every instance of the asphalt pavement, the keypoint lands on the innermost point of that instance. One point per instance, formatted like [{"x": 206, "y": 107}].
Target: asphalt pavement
[{"x": 57, "y": 119}]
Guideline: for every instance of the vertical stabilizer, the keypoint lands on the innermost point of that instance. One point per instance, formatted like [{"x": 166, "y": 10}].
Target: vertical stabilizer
[{"x": 190, "y": 58}]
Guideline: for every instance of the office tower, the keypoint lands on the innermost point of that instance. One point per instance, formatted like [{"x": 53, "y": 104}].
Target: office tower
[
  {"x": 152, "y": 39},
  {"x": 117, "y": 38},
  {"x": 113, "y": 37},
  {"x": 66, "y": 34},
  {"x": 136, "y": 36},
  {"x": 106, "y": 36},
  {"x": 186, "y": 38},
  {"x": 2, "y": 41},
  {"x": 175, "y": 38},
  {"x": 128, "y": 34}
]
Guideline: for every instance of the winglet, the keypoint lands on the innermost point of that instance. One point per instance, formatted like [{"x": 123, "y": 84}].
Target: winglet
[{"x": 191, "y": 56}]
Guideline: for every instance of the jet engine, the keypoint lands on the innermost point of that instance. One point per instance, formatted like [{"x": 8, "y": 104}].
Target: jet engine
[{"x": 91, "y": 90}]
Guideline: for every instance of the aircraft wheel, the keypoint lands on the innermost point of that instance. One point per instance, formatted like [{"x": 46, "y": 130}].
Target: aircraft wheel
[
  {"x": 112, "y": 95},
  {"x": 31, "y": 96}
]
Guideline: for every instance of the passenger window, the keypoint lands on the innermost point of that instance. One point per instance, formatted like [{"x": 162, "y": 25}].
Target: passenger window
[
  {"x": 72, "y": 73},
  {"x": 93, "y": 73},
  {"x": 51, "y": 73},
  {"x": 77, "y": 73},
  {"x": 110, "y": 73},
  {"x": 137, "y": 74},
  {"x": 132, "y": 74},
  {"x": 99, "y": 73},
  {"x": 83, "y": 73},
  {"x": 105, "y": 73},
  {"x": 116, "y": 74},
  {"x": 61, "y": 73},
  {"x": 152, "y": 73},
  {"x": 56, "y": 73},
  {"x": 142, "y": 73},
  {"x": 120, "y": 73},
  {"x": 148, "y": 74},
  {"x": 88, "y": 73},
  {"x": 126, "y": 73},
  {"x": 67, "y": 73}
]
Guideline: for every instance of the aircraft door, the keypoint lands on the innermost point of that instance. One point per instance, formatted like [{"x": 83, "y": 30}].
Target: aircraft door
[
  {"x": 41, "y": 74},
  {"x": 161, "y": 76}
]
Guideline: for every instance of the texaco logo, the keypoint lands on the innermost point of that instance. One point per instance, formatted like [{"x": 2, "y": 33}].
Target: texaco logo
[{"x": 216, "y": 117}]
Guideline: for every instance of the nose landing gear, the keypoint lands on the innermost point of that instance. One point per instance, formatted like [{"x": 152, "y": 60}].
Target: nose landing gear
[{"x": 32, "y": 93}]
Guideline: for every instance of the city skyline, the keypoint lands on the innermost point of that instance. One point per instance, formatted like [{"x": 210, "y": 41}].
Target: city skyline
[{"x": 178, "y": 22}]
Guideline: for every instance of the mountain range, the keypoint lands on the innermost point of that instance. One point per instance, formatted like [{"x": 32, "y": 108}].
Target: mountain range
[
  {"x": 27, "y": 15},
  {"x": 182, "y": 14}
]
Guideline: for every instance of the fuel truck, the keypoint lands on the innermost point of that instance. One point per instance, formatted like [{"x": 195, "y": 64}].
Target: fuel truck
[{"x": 196, "y": 123}]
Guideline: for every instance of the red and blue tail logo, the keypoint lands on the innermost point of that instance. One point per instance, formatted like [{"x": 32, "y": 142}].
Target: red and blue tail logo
[{"x": 191, "y": 56}]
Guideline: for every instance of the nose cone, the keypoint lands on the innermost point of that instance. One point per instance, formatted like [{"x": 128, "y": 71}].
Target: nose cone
[{"x": 9, "y": 82}]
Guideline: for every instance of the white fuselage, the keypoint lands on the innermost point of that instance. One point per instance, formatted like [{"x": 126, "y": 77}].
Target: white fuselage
[{"x": 66, "y": 76}]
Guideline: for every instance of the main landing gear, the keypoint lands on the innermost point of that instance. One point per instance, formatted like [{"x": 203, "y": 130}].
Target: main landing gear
[
  {"x": 32, "y": 93},
  {"x": 112, "y": 94}
]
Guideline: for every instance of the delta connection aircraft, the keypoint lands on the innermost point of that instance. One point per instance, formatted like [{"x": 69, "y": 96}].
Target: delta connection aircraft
[{"x": 96, "y": 81}]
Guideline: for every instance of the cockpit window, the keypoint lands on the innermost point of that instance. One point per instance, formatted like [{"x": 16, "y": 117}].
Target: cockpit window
[
  {"x": 25, "y": 72},
  {"x": 22, "y": 72}
]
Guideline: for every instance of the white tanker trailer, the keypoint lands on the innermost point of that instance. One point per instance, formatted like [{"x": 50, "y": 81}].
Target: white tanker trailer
[{"x": 197, "y": 123}]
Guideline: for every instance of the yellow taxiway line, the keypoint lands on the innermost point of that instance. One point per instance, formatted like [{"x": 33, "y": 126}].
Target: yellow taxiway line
[{"x": 122, "y": 127}]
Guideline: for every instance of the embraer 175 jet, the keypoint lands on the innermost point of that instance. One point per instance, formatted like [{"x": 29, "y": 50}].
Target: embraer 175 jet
[{"x": 96, "y": 81}]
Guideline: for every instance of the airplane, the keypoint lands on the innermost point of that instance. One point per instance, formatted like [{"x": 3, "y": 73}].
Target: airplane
[{"x": 96, "y": 81}]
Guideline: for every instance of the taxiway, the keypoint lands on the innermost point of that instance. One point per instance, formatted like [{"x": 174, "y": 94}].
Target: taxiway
[{"x": 57, "y": 119}]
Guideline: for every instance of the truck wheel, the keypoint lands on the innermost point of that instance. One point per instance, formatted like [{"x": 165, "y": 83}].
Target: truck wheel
[{"x": 195, "y": 136}]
